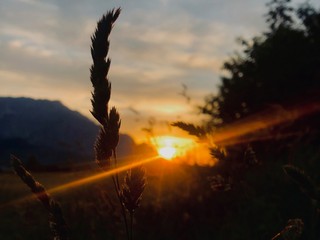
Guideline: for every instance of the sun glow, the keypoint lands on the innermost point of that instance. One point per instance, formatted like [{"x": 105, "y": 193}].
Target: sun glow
[
  {"x": 169, "y": 147},
  {"x": 167, "y": 152}
]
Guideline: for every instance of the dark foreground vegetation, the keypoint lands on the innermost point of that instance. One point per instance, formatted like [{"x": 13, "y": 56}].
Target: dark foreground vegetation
[
  {"x": 178, "y": 203},
  {"x": 265, "y": 123}
]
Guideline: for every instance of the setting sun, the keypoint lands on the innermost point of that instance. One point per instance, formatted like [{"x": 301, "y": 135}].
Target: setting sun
[
  {"x": 167, "y": 152},
  {"x": 169, "y": 147}
]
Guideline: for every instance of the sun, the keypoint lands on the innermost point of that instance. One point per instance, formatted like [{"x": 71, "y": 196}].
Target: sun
[
  {"x": 169, "y": 147},
  {"x": 167, "y": 152}
]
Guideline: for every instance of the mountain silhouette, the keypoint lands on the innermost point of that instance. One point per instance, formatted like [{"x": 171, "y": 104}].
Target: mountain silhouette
[{"x": 50, "y": 132}]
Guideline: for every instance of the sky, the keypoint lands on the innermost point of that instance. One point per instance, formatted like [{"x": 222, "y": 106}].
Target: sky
[{"x": 157, "y": 46}]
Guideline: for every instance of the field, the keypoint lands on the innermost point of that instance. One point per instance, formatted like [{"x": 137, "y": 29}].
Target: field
[
  {"x": 251, "y": 173},
  {"x": 91, "y": 210},
  {"x": 178, "y": 203}
]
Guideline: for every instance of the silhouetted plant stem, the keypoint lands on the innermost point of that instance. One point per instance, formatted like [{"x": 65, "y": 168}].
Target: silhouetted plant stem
[
  {"x": 131, "y": 225},
  {"x": 116, "y": 163},
  {"x": 57, "y": 223},
  {"x": 115, "y": 179},
  {"x": 108, "y": 137},
  {"x": 315, "y": 220},
  {"x": 131, "y": 193},
  {"x": 123, "y": 212}
]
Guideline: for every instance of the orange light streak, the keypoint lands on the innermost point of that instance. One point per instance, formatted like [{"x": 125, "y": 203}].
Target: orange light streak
[
  {"x": 86, "y": 179},
  {"x": 260, "y": 137},
  {"x": 100, "y": 175},
  {"x": 262, "y": 121}
]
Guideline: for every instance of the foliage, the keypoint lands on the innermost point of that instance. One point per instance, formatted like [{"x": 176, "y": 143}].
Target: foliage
[
  {"x": 134, "y": 184},
  {"x": 279, "y": 14},
  {"x": 292, "y": 231},
  {"x": 279, "y": 67},
  {"x": 100, "y": 67},
  {"x": 303, "y": 180},
  {"x": 177, "y": 204},
  {"x": 107, "y": 140},
  {"x": 240, "y": 199},
  {"x": 57, "y": 223},
  {"x": 191, "y": 129},
  {"x": 308, "y": 187},
  {"x": 276, "y": 76},
  {"x": 129, "y": 195},
  {"x": 108, "y": 137}
]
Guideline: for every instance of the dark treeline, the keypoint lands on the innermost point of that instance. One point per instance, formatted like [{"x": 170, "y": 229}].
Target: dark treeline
[{"x": 265, "y": 175}]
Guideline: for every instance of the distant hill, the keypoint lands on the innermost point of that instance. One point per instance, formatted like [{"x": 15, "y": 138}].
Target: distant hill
[{"x": 49, "y": 132}]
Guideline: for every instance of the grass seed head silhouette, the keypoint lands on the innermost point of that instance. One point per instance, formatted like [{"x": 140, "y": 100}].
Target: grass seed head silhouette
[
  {"x": 100, "y": 67},
  {"x": 129, "y": 195},
  {"x": 106, "y": 142},
  {"x": 57, "y": 223},
  {"x": 134, "y": 184},
  {"x": 108, "y": 137}
]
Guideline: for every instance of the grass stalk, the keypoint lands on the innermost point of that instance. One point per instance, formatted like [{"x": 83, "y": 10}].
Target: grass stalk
[
  {"x": 115, "y": 179},
  {"x": 131, "y": 225},
  {"x": 57, "y": 223}
]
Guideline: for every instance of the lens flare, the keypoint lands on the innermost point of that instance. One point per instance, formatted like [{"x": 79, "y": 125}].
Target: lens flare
[
  {"x": 167, "y": 152},
  {"x": 169, "y": 147},
  {"x": 254, "y": 127},
  {"x": 85, "y": 180}
]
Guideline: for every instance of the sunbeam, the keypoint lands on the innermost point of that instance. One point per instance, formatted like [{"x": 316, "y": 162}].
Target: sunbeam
[
  {"x": 86, "y": 180},
  {"x": 100, "y": 175},
  {"x": 261, "y": 121}
]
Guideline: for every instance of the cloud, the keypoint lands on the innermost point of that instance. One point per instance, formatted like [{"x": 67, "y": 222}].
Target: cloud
[
  {"x": 156, "y": 46},
  {"x": 149, "y": 63}
]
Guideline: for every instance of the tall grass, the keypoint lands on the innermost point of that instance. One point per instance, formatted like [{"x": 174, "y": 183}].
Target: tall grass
[
  {"x": 57, "y": 223},
  {"x": 129, "y": 192}
]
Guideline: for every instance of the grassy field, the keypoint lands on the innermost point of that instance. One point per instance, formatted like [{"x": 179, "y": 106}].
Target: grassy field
[
  {"x": 178, "y": 203},
  {"x": 91, "y": 210}
]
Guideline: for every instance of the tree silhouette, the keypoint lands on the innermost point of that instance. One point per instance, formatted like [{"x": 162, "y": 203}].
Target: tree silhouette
[
  {"x": 277, "y": 75},
  {"x": 279, "y": 67}
]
